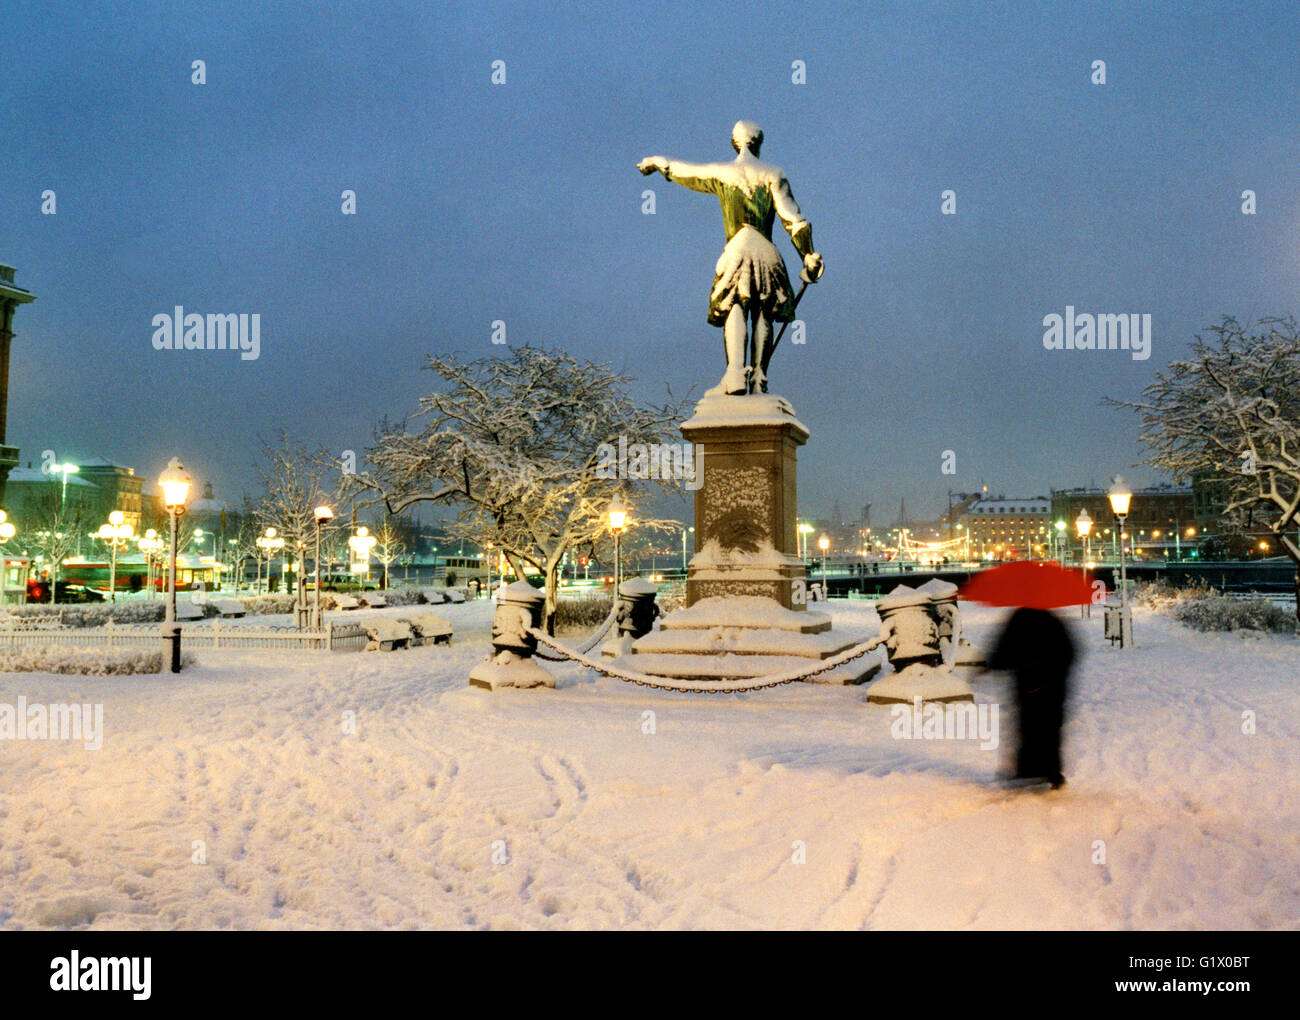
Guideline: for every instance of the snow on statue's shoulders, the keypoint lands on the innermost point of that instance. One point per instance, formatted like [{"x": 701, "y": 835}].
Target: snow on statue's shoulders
[
  {"x": 718, "y": 410},
  {"x": 746, "y": 173}
]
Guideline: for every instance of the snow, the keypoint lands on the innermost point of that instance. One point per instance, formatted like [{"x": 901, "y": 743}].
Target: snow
[
  {"x": 718, "y": 410},
  {"x": 744, "y": 611},
  {"x": 355, "y": 790}
]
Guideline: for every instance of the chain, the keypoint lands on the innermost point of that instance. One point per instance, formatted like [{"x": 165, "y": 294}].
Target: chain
[
  {"x": 587, "y": 645},
  {"x": 705, "y": 686}
]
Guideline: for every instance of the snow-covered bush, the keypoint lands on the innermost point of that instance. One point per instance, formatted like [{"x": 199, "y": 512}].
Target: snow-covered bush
[
  {"x": 265, "y": 605},
  {"x": 1219, "y": 613},
  {"x": 90, "y": 615},
  {"x": 404, "y": 596},
  {"x": 1160, "y": 595},
  {"x": 579, "y": 614},
  {"x": 84, "y": 661}
]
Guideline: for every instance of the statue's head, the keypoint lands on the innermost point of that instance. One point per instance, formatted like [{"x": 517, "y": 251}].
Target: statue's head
[{"x": 747, "y": 135}]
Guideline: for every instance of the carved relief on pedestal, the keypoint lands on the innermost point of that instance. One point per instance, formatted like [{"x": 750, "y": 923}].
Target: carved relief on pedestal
[{"x": 739, "y": 509}]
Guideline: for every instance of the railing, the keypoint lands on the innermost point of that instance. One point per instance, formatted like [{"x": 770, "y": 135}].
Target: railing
[{"x": 347, "y": 636}]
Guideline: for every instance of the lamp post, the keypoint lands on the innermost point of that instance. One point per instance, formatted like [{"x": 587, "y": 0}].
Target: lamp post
[
  {"x": 487, "y": 563},
  {"x": 7, "y": 531},
  {"x": 175, "y": 485},
  {"x": 618, "y": 512},
  {"x": 684, "y": 531},
  {"x": 361, "y": 544},
  {"x": 151, "y": 545},
  {"x": 804, "y": 530},
  {"x": 1083, "y": 525},
  {"x": 824, "y": 543},
  {"x": 323, "y": 514},
  {"x": 115, "y": 533},
  {"x": 1120, "y": 496},
  {"x": 268, "y": 543}
]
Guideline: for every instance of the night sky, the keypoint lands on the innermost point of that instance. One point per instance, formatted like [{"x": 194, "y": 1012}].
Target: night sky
[{"x": 521, "y": 202}]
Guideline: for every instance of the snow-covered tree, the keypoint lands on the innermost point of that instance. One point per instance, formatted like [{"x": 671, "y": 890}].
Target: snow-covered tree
[
  {"x": 295, "y": 480},
  {"x": 388, "y": 545},
  {"x": 515, "y": 443},
  {"x": 1229, "y": 417},
  {"x": 56, "y": 523}
]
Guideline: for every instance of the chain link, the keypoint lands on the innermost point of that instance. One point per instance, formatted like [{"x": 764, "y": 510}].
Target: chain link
[{"x": 705, "y": 686}]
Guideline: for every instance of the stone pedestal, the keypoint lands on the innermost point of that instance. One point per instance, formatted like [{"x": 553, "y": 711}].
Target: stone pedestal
[{"x": 746, "y": 540}]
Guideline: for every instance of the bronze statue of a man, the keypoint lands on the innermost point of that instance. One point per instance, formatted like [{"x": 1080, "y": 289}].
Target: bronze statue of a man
[{"x": 751, "y": 288}]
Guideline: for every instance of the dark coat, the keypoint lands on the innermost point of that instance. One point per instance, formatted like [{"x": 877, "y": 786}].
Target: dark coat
[{"x": 1035, "y": 647}]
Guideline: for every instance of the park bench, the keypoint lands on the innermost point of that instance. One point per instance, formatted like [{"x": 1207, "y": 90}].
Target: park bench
[
  {"x": 455, "y": 596},
  {"x": 373, "y": 600},
  {"x": 386, "y": 634},
  {"x": 229, "y": 608},
  {"x": 434, "y": 596},
  {"x": 189, "y": 611},
  {"x": 428, "y": 628},
  {"x": 345, "y": 602}
]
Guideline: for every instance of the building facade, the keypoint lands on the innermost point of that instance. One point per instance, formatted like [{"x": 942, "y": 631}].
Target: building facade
[{"x": 998, "y": 527}]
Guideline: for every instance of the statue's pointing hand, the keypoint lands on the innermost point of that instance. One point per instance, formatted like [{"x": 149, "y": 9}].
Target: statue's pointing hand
[
  {"x": 650, "y": 164},
  {"x": 813, "y": 267}
]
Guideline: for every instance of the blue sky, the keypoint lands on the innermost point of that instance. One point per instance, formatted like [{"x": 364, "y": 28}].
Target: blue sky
[{"x": 520, "y": 202}]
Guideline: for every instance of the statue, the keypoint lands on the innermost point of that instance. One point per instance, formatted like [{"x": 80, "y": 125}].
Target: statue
[{"x": 751, "y": 288}]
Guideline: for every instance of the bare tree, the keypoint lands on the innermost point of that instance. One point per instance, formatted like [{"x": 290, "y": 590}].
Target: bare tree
[
  {"x": 295, "y": 480},
  {"x": 388, "y": 545},
  {"x": 516, "y": 443},
  {"x": 1229, "y": 417},
  {"x": 56, "y": 524}
]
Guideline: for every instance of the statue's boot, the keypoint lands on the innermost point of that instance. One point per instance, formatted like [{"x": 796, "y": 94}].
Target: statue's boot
[
  {"x": 759, "y": 381},
  {"x": 735, "y": 382}
]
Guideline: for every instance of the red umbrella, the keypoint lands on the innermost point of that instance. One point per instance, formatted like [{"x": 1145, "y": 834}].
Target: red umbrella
[{"x": 1035, "y": 585}]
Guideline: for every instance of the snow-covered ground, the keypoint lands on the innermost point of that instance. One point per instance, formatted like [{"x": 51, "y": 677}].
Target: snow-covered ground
[{"x": 454, "y": 807}]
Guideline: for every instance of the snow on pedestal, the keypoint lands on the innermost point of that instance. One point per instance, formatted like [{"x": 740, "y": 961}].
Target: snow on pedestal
[{"x": 511, "y": 664}]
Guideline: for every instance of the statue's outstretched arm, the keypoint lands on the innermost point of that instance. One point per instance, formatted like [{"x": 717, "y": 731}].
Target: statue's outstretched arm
[
  {"x": 799, "y": 229},
  {"x": 696, "y": 176}
]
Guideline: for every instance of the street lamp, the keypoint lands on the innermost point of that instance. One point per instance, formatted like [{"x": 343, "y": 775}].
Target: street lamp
[
  {"x": 150, "y": 544},
  {"x": 823, "y": 544},
  {"x": 323, "y": 514},
  {"x": 684, "y": 531},
  {"x": 487, "y": 563},
  {"x": 115, "y": 533},
  {"x": 1083, "y": 525},
  {"x": 1120, "y": 495},
  {"x": 361, "y": 544},
  {"x": 268, "y": 543},
  {"x": 175, "y": 485},
  {"x": 618, "y": 512},
  {"x": 804, "y": 531}
]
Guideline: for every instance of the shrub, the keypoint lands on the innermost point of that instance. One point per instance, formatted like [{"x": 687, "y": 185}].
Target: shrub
[
  {"x": 84, "y": 661},
  {"x": 95, "y": 615},
  {"x": 1219, "y": 613},
  {"x": 1160, "y": 594},
  {"x": 584, "y": 614}
]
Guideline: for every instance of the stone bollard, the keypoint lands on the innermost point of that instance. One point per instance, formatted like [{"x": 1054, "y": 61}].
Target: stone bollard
[
  {"x": 943, "y": 606},
  {"x": 634, "y": 616},
  {"x": 910, "y": 631},
  {"x": 912, "y": 640},
  {"x": 511, "y": 664}
]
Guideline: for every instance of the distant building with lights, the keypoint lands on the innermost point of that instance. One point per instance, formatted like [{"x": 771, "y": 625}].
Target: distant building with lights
[{"x": 1006, "y": 528}]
